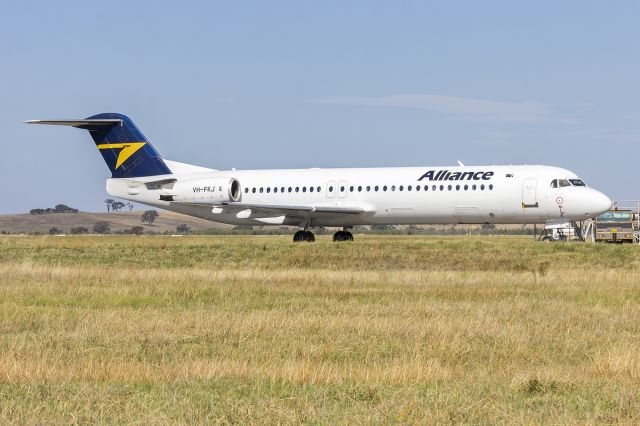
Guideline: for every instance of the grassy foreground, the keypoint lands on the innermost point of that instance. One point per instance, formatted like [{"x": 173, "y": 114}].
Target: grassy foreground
[{"x": 259, "y": 330}]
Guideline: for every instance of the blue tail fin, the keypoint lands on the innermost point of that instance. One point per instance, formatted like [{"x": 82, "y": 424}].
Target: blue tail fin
[{"x": 124, "y": 148}]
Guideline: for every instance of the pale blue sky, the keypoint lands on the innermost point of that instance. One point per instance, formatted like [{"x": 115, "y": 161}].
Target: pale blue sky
[{"x": 320, "y": 84}]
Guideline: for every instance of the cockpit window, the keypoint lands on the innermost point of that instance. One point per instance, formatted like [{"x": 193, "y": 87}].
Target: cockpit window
[
  {"x": 577, "y": 182},
  {"x": 560, "y": 183}
]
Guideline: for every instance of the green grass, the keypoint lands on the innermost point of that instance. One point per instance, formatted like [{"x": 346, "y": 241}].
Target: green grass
[
  {"x": 473, "y": 253},
  {"x": 260, "y": 330}
]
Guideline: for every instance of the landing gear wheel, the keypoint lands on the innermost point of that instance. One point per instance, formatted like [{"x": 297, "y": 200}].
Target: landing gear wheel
[
  {"x": 304, "y": 236},
  {"x": 343, "y": 236},
  {"x": 548, "y": 239}
]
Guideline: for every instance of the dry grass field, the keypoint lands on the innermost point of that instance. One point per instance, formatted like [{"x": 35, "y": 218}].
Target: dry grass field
[{"x": 258, "y": 330}]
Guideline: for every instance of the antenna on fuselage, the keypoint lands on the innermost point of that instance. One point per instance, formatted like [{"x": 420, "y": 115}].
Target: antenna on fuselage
[{"x": 460, "y": 163}]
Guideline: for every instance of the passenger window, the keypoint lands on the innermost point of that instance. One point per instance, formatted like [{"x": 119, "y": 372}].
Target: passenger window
[
  {"x": 473, "y": 187},
  {"x": 359, "y": 189},
  {"x": 457, "y": 187},
  {"x": 401, "y": 188},
  {"x": 261, "y": 190},
  {"x": 297, "y": 188},
  {"x": 384, "y": 188},
  {"x": 466, "y": 187},
  {"x": 253, "y": 190},
  {"x": 393, "y": 187},
  {"x": 289, "y": 189},
  {"x": 275, "y": 189},
  {"x": 482, "y": 187},
  {"x": 375, "y": 188},
  {"x": 441, "y": 187},
  {"x": 351, "y": 189},
  {"x": 449, "y": 187},
  {"x": 417, "y": 188},
  {"x": 311, "y": 189},
  {"x": 369, "y": 188},
  {"x": 268, "y": 190},
  {"x": 490, "y": 186},
  {"x": 282, "y": 189},
  {"x": 342, "y": 189},
  {"x": 331, "y": 189}
]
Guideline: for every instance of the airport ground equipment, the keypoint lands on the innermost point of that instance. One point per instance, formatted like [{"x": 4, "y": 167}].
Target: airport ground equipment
[
  {"x": 563, "y": 230},
  {"x": 619, "y": 225}
]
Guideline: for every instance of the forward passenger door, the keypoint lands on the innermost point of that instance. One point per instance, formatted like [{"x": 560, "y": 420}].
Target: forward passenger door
[{"x": 529, "y": 196}]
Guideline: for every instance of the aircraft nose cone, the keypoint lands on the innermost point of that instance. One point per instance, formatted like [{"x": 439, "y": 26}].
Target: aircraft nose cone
[{"x": 601, "y": 202}]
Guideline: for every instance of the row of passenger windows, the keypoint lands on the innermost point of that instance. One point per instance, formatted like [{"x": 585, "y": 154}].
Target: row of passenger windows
[
  {"x": 282, "y": 189},
  {"x": 376, "y": 188}
]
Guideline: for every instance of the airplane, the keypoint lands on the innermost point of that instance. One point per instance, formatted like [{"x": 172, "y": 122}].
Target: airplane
[{"x": 336, "y": 197}]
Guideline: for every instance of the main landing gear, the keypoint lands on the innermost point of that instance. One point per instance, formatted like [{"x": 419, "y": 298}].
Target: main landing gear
[
  {"x": 343, "y": 236},
  {"x": 304, "y": 236},
  {"x": 307, "y": 236}
]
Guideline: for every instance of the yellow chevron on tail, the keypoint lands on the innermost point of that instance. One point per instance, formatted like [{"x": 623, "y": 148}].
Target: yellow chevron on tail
[{"x": 127, "y": 150}]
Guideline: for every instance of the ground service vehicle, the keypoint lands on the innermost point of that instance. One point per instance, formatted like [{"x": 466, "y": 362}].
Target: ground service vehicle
[{"x": 616, "y": 226}]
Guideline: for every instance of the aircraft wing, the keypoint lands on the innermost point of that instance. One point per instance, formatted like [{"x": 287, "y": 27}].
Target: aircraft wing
[
  {"x": 283, "y": 209},
  {"x": 287, "y": 208}
]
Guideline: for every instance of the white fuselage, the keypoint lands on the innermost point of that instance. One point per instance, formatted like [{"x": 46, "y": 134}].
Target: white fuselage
[{"x": 399, "y": 195}]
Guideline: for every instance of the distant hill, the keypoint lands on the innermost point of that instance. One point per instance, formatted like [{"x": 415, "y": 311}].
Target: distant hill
[{"x": 118, "y": 221}]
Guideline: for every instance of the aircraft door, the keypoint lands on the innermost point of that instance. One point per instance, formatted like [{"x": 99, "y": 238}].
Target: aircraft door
[
  {"x": 529, "y": 196},
  {"x": 342, "y": 188}
]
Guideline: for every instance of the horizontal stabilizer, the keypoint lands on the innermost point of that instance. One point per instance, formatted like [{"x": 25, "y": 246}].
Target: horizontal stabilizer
[{"x": 78, "y": 123}]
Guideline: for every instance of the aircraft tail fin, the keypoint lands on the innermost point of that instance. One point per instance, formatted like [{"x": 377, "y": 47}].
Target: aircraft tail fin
[{"x": 124, "y": 148}]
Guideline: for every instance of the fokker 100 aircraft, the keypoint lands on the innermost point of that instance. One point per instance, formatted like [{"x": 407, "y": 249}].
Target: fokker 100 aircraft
[{"x": 309, "y": 198}]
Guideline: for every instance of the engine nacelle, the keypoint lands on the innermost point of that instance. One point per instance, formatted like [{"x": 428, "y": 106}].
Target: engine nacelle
[{"x": 205, "y": 191}]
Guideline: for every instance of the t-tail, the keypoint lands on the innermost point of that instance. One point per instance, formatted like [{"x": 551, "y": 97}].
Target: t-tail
[{"x": 125, "y": 149}]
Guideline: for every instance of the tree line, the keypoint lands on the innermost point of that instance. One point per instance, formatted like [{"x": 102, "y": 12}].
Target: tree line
[
  {"x": 116, "y": 206},
  {"x": 103, "y": 227},
  {"x": 60, "y": 208}
]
